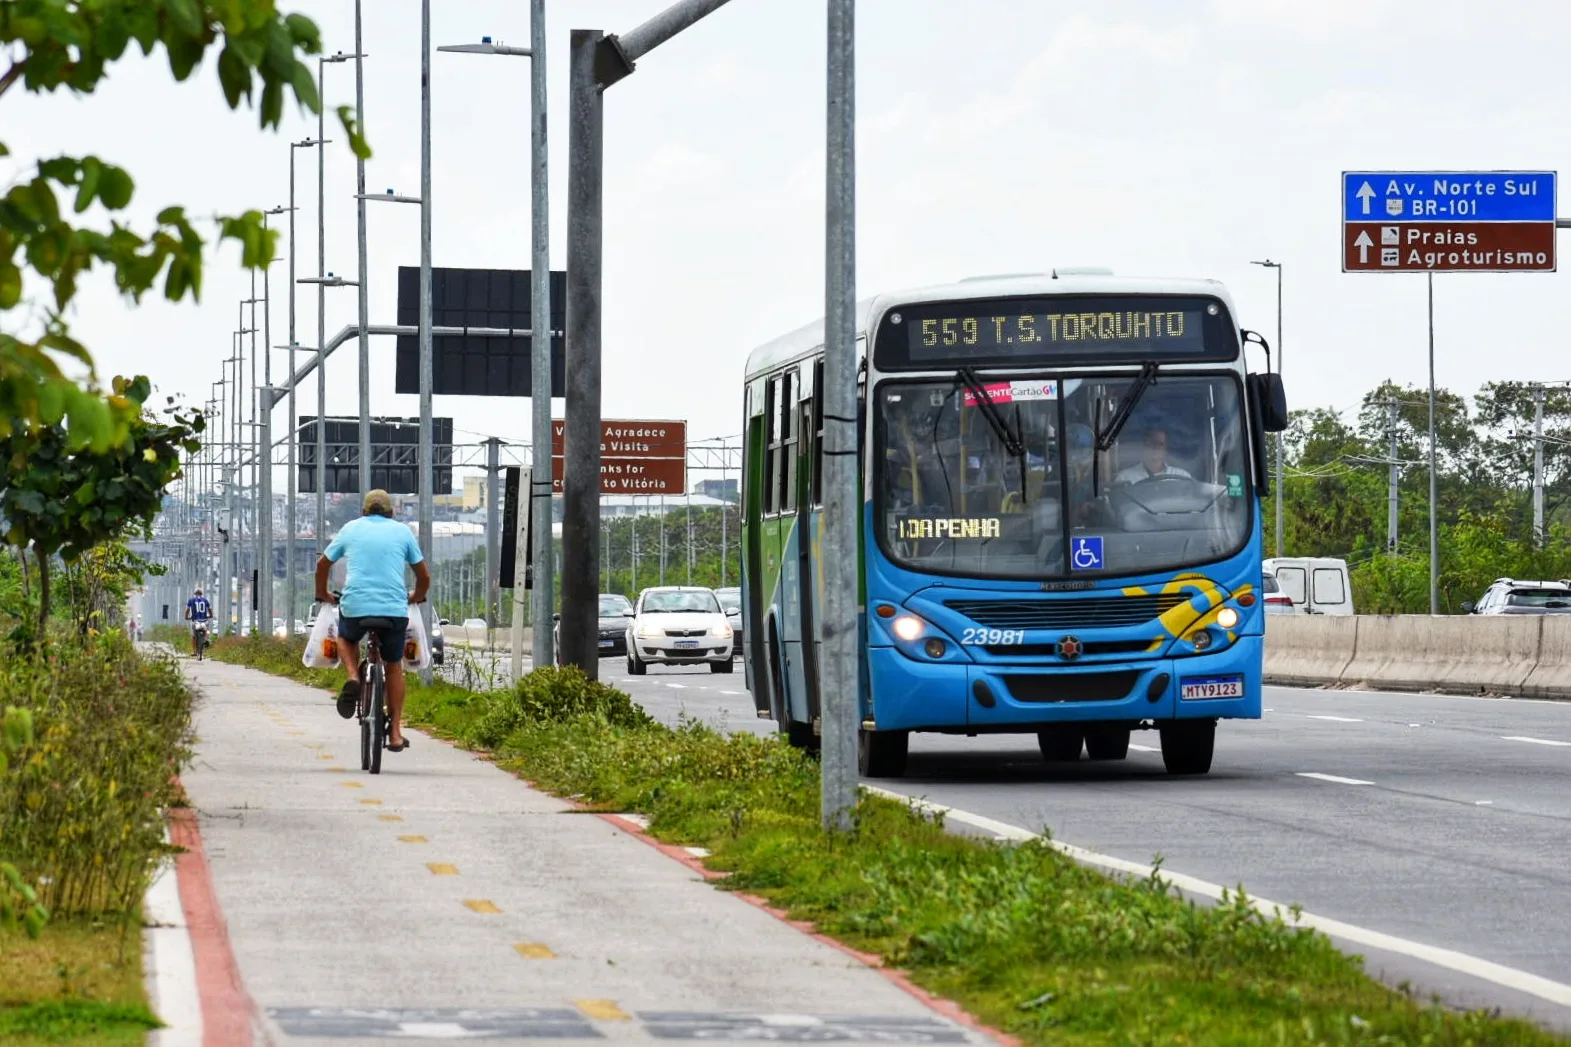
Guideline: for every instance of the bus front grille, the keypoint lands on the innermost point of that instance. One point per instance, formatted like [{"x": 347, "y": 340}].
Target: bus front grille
[
  {"x": 1081, "y": 613},
  {"x": 1071, "y": 687}
]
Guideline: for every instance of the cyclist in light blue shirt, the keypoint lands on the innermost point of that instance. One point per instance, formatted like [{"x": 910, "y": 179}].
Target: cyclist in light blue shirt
[{"x": 378, "y": 548}]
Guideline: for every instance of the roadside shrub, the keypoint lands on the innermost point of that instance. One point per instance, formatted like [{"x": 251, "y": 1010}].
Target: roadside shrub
[
  {"x": 81, "y": 809},
  {"x": 548, "y": 695}
]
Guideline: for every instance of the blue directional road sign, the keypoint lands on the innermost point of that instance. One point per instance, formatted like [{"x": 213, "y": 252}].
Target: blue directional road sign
[{"x": 1448, "y": 221}]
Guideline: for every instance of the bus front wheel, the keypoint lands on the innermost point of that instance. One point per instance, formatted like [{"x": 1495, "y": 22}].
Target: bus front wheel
[
  {"x": 882, "y": 754},
  {"x": 1187, "y": 746}
]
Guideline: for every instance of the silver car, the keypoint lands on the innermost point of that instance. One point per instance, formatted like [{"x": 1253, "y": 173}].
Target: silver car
[{"x": 1511, "y": 596}]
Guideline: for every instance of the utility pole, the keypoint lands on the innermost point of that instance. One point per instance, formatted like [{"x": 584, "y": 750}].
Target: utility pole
[
  {"x": 1393, "y": 480},
  {"x": 1538, "y": 465},
  {"x": 841, "y": 678},
  {"x": 427, "y": 479}
]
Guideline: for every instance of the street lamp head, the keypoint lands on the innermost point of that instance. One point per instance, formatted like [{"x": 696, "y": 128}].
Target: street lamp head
[
  {"x": 306, "y": 143},
  {"x": 1268, "y": 264},
  {"x": 339, "y": 56}
]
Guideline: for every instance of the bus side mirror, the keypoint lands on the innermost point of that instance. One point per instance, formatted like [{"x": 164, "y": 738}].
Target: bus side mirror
[{"x": 1270, "y": 398}]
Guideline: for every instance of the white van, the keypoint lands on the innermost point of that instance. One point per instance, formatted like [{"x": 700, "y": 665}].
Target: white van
[{"x": 1315, "y": 584}]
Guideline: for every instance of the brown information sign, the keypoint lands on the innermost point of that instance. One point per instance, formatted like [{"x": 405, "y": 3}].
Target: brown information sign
[
  {"x": 1405, "y": 247},
  {"x": 632, "y": 438},
  {"x": 646, "y": 476}
]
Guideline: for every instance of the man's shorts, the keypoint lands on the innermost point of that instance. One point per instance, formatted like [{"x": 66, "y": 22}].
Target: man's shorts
[{"x": 389, "y": 641}]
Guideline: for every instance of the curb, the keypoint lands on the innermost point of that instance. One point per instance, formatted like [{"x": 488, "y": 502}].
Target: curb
[{"x": 229, "y": 1017}]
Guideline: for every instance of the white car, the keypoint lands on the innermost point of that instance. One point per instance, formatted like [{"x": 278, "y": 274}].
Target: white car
[{"x": 678, "y": 625}]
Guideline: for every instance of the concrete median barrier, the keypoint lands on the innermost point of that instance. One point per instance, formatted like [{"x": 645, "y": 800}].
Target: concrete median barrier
[
  {"x": 1551, "y": 675},
  {"x": 1307, "y": 650},
  {"x": 1526, "y": 655}
]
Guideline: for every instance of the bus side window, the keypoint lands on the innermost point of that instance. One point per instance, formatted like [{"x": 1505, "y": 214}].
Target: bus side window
[
  {"x": 771, "y": 446},
  {"x": 817, "y": 478},
  {"x": 789, "y": 389}
]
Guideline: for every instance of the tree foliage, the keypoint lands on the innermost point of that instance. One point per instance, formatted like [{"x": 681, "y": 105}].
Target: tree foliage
[
  {"x": 57, "y": 500},
  {"x": 1337, "y": 491},
  {"x": 71, "y": 45}
]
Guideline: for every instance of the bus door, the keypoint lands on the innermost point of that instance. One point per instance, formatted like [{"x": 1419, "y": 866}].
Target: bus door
[
  {"x": 810, "y": 521},
  {"x": 780, "y": 575}
]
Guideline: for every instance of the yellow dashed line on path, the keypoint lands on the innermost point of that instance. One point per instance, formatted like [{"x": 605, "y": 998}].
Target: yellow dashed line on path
[
  {"x": 325, "y": 756},
  {"x": 480, "y": 905},
  {"x": 410, "y": 839},
  {"x": 297, "y": 734},
  {"x": 388, "y": 817},
  {"x": 442, "y": 869},
  {"x": 370, "y": 803},
  {"x": 534, "y": 951},
  {"x": 602, "y": 1010},
  {"x": 338, "y": 770},
  {"x": 352, "y": 785}
]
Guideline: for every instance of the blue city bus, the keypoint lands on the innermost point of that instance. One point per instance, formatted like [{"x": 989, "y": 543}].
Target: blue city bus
[{"x": 1061, "y": 527}]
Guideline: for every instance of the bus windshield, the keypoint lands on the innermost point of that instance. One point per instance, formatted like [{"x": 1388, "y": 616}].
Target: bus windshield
[{"x": 1171, "y": 491}]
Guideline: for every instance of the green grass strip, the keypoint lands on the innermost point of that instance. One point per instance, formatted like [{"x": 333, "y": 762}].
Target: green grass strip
[{"x": 1016, "y": 933}]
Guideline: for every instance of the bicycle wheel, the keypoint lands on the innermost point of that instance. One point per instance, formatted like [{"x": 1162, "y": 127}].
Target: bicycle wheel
[{"x": 379, "y": 725}]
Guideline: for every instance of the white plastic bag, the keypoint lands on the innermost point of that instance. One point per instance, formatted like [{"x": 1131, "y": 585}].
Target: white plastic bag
[
  {"x": 321, "y": 647},
  {"x": 417, "y": 652}
]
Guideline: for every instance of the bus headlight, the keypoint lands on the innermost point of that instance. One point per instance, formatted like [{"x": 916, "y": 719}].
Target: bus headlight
[
  {"x": 1201, "y": 639},
  {"x": 1227, "y": 617},
  {"x": 907, "y": 627}
]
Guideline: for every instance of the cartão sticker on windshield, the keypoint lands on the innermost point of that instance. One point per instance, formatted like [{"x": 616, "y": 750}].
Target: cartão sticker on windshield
[{"x": 1015, "y": 392}]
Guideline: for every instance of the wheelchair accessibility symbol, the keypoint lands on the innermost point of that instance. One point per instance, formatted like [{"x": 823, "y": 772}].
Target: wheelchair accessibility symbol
[{"x": 1086, "y": 554}]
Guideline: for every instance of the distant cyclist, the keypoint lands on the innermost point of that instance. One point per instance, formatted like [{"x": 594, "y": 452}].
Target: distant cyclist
[
  {"x": 378, "y": 548},
  {"x": 199, "y": 612}
]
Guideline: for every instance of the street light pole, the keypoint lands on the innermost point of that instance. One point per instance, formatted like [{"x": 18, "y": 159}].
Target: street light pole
[
  {"x": 539, "y": 347},
  {"x": 427, "y": 529},
  {"x": 264, "y": 450},
  {"x": 294, "y": 417},
  {"x": 364, "y": 295},
  {"x": 321, "y": 302},
  {"x": 1278, "y": 436}
]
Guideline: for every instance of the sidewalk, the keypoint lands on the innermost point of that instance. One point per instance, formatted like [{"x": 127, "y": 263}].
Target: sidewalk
[{"x": 444, "y": 899}]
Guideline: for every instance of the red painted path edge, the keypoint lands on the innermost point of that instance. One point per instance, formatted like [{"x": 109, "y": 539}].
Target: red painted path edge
[{"x": 228, "y": 1012}]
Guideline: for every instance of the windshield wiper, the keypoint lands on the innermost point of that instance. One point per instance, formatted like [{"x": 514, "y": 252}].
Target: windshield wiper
[
  {"x": 1126, "y": 407},
  {"x": 1006, "y": 436}
]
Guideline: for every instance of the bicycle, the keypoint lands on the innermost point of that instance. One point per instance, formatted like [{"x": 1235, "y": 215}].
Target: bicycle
[
  {"x": 199, "y": 630},
  {"x": 376, "y": 725}
]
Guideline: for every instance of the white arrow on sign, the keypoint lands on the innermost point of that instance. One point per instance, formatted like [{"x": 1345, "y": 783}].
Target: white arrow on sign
[
  {"x": 1363, "y": 243},
  {"x": 1363, "y": 194}
]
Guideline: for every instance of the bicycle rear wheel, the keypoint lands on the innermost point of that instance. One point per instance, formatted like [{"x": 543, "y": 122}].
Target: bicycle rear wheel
[
  {"x": 367, "y": 683},
  {"x": 378, "y": 723}
]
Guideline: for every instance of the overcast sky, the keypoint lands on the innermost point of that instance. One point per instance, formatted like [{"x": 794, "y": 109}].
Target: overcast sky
[{"x": 1155, "y": 137}]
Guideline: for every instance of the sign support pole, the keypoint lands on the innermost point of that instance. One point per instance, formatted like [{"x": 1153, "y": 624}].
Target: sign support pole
[{"x": 1434, "y": 521}]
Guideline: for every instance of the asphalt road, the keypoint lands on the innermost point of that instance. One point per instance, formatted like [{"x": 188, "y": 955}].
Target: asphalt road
[{"x": 1441, "y": 820}]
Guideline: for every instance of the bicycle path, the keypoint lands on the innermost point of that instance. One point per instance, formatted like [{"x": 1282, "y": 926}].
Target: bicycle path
[{"x": 444, "y": 899}]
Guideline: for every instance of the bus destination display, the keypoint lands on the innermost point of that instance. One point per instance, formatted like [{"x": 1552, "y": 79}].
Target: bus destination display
[
  {"x": 1091, "y": 329},
  {"x": 1162, "y": 332}
]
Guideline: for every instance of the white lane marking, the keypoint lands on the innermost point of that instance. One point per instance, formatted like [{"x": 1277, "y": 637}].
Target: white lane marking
[
  {"x": 1486, "y": 970},
  {"x": 1144, "y": 748},
  {"x": 172, "y": 964},
  {"x": 1337, "y": 719},
  {"x": 640, "y": 820},
  {"x": 1333, "y": 778},
  {"x": 678, "y": 686},
  {"x": 1535, "y": 741},
  {"x": 1483, "y": 803},
  {"x": 697, "y": 852},
  {"x": 732, "y": 692}
]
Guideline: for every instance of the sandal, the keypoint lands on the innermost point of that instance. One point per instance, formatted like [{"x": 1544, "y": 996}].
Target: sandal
[
  {"x": 400, "y": 747},
  {"x": 349, "y": 699}
]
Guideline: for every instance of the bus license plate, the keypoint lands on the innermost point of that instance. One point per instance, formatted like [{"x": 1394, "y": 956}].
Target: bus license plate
[
  {"x": 686, "y": 643},
  {"x": 1211, "y": 687}
]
